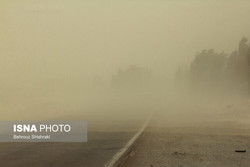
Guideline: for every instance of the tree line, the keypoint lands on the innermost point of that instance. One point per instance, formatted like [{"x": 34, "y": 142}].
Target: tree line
[{"x": 220, "y": 72}]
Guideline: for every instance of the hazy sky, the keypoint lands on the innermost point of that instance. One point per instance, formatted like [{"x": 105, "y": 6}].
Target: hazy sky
[{"x": 72, "y": 38}]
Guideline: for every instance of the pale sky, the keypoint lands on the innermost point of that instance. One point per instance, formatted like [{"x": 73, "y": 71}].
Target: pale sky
[{"x": 42, "y": 39}]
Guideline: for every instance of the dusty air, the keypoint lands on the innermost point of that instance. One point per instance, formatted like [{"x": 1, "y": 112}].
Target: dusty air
[{"x": 159, "y": 83}]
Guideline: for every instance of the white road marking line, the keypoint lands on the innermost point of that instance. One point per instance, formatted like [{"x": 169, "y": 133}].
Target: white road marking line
[{"x": 116, "y": 160}]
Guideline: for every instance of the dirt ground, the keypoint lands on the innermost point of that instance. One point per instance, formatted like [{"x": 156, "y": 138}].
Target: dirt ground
[
  {"x": 194, "y": 141},
  {"x": 189, "y": 147}
]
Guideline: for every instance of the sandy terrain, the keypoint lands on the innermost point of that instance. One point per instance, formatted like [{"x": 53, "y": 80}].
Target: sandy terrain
[
  {"x": 181, "y": 147},
  {"x": 184, "y": 140}
]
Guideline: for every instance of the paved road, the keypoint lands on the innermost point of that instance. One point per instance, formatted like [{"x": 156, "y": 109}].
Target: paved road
[{"x": 104, "y": 141}]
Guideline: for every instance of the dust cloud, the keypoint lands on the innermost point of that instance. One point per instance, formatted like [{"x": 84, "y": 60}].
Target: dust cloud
[{"x": 124, "y": 60}]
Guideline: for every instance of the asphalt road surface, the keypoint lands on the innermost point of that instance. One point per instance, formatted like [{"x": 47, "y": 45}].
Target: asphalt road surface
[{"x": 103, "y": 142}]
